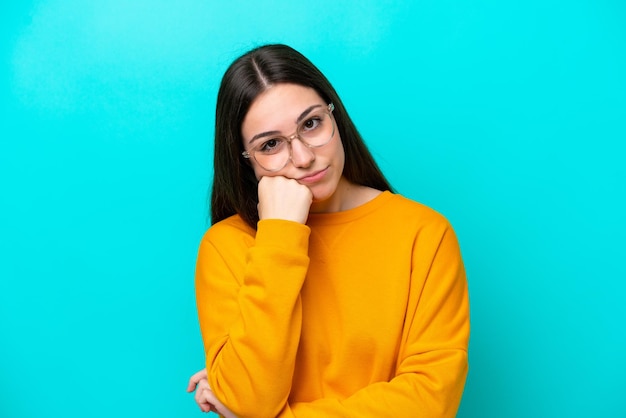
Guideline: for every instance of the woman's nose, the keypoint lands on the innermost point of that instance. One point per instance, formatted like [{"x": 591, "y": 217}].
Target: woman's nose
[{"x": 301, "y": 155}]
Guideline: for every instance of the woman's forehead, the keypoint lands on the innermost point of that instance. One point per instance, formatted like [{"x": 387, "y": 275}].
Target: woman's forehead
[{"x": 277, "y": 107}]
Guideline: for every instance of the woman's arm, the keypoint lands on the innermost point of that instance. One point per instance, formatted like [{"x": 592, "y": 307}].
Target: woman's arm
[{"x": 248, "y": 299}]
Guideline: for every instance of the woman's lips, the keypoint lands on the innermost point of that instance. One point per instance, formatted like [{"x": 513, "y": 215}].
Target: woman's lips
[{"x": 314, "y": 177}]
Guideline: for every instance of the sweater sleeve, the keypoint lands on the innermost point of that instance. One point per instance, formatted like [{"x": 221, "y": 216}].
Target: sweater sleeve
[
  {"x": 250, "y": 313},
  {"x": 432, "y": 363}
]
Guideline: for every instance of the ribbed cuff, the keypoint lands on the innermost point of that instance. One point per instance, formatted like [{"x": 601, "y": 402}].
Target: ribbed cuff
[{"x": 283, "y": 234}]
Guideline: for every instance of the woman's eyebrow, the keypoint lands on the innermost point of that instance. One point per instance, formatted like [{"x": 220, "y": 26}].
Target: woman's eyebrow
[
  {"x": 300, "y": 118},
  {"x": 306, "y": 112},
  {"x": 262, "y": 134}
]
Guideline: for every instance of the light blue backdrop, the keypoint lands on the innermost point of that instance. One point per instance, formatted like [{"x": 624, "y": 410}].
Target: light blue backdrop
[{"x": 506, "y": 116}]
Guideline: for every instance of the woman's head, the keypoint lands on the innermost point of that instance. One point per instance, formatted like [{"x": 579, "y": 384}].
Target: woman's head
[{"x": 235, "y": 183}]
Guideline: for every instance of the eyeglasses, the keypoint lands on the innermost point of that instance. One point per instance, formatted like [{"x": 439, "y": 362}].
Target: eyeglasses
[{"x": 315, "y": 131}]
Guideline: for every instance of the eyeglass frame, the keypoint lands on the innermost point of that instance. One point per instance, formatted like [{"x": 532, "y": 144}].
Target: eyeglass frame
[{"x": 328, "y": 110}]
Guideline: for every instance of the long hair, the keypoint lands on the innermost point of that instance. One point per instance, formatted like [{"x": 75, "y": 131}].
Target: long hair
[{"x": 234, "y": 188}]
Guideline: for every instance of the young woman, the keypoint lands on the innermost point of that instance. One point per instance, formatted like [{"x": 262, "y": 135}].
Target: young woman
[{"x": 320, "y": 292}]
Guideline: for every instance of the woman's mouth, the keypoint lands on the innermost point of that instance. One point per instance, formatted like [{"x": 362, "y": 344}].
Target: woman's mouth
[{"x": 313, "y": 177}]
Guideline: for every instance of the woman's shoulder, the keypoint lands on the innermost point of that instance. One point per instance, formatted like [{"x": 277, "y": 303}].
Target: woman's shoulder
[
  {"x": 233, "y": 228},
  {"x": 406, "y": 208},
  {"x": 406, "y": 217}
]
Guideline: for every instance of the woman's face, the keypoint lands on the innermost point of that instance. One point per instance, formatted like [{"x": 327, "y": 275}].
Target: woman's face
[{"x": 277, "y": 111}]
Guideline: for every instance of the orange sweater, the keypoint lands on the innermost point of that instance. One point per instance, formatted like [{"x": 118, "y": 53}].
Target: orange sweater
[{"x": 362, "y": 313}]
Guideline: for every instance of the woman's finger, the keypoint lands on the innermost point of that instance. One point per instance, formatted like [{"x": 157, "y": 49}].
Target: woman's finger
[
  {"x": 202, "y": 386},
  {"x": 203, "y": 399},
  {"x": 193, "y": 380}
]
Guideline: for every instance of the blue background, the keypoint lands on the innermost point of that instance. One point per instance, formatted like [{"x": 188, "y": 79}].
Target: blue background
[{"x": 507, "y": 117}]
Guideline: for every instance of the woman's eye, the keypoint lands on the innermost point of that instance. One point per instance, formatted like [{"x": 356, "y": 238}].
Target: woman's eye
[
  {"x": 311, "y": 123},
  {"x": 271, "y": 145}
]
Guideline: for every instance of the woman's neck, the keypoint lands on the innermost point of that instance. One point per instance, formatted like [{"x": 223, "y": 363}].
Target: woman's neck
[{"x": 347, "y": 196}]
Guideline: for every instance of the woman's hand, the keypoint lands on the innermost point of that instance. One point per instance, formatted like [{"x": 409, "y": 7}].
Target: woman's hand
[
  {"x": 200, "y": 383},
  {"x": 205, "y": 398},
  {"x": 283, "y": 198}
]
